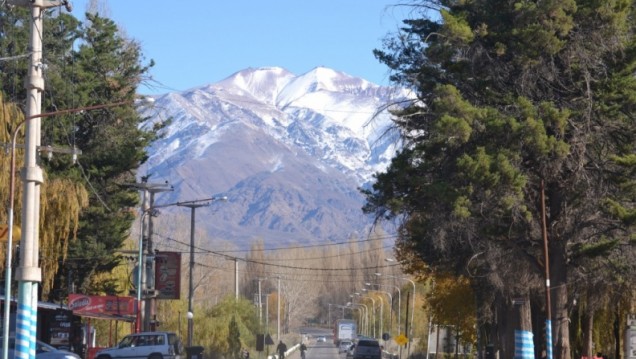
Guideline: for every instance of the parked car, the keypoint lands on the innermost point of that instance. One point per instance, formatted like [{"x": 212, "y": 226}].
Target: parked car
[
  {"x": 344, "y": 346},
  {"x": 43, "y": 351},
  {"x": 367, "y": 349},
  {"x": 145, "y": 345}
]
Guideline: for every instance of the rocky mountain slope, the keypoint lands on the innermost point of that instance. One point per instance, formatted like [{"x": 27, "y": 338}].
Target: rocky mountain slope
[{"x": 289, "y": 152}]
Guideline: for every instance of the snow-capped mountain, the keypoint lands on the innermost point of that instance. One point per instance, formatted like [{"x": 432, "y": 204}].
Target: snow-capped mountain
[{"x": 289, "y": 152}]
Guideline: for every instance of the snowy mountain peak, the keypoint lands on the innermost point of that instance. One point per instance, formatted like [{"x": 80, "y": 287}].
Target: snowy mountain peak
[{"x": 290, "y": 152}]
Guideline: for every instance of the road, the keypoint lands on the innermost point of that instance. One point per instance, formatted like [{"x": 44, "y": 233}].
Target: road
[{"x": 318, "y": 350}]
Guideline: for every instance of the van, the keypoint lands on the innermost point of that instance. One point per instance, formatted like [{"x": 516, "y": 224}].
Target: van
[{"x": 145, "y": 345}]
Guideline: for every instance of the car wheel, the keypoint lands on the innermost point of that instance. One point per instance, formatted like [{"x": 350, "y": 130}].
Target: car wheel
[
  {"x": 155, "y": 356},
  {"x": 103, "y": 357}
]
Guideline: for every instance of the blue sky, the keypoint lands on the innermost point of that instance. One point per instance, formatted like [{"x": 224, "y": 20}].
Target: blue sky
[{"x": 195, "y": 43}]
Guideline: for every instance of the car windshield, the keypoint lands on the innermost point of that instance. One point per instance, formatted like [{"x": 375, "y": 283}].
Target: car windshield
[{"x": 368, "y": 343}]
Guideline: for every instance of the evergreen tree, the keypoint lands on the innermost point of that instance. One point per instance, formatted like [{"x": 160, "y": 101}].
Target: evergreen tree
[
  {"x": 234, "y": 340},
  {"x": 87, "y": 64},
  {"x": 513, "y": 95}
]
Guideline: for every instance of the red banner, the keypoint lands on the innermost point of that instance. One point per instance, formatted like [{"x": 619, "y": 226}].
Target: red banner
[
  {"x": 168, "y": 275},
  {"x": 105, "y": 306}
]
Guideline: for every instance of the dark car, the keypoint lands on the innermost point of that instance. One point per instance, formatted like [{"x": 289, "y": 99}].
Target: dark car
[
  {"x": 367, "y": 349},
  {"x": 43, "y": 351}
]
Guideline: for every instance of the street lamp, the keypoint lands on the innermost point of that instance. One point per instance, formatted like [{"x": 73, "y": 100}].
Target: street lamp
[
  {"x": 193, "y": 205},
  {"x": 399, "y": 301},
  {"x": 372, "y": 301},
  {"x": 140, "y": 272},
  {"x": 365, "y": 316},
  {"x": 411, "y": 331},
  {"x": 32, "y": 241},
  {"x": 390, "y": 309}
]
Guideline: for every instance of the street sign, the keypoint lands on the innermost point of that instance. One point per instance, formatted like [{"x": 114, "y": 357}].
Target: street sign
[{"x": 401, "y": 339}]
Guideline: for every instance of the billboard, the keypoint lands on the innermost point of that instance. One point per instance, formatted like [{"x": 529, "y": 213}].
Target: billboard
[
  {"x": 104, "y": 306},
  {"x": 168, "y": 275}
]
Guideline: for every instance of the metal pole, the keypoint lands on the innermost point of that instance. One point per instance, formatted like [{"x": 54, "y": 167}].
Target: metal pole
[
  {"x": 149, "y": 306},
  {"x": 190, "y": 282},
  {"x": 411, "y": 330},
  {"x": 193, "y": 207},
  {"x": 373, "y": 314},
  {"x": 140, "y": 272},
  {"x": 278, "y": 320},
  {"x": 29, "y": 274},
  {"x": 399, "y": 302},
  {"x": 260, "y": 305},
  {"x": 546, "y": 260},
  {"x": 9, "y": 253},
  {"x": 236, "y": 280}
]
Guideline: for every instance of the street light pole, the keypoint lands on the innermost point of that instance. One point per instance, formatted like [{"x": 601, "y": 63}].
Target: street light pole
[
  {"x": 278, "y": 298},
  {"x": 399, "y": 324},
  {"x": 152, "y": 210},
  {"x": 10, "y": 211},
  {"x": 373, "y": 313},
  {"x": 365, "y": 316},
  {"x": 193, "y": 206},
  {"x": 390, "y": 309},
  {"x": 411, "y": 331},
  {"x": 236, "y": 279}
]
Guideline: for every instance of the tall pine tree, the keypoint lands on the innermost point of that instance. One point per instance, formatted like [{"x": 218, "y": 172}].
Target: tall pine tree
[
  {"x": 513, "y": 94},
  {"x": 87, "y": 64}
]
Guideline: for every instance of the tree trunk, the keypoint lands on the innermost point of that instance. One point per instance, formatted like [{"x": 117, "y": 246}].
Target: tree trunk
[
  {"x": 559, "y": 295},
  {"x": 588, "y": 338},
  {"x": 523, "y": 326},
  {"x": 617, "y": 333}
]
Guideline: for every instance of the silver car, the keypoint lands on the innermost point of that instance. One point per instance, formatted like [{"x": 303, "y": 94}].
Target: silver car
[
  {"x": 145, "y": 345},
  {"x": 43, "y": 351}
]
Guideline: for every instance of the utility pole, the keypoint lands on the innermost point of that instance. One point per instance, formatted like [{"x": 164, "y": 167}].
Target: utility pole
[
  {"x": 149, "y": 297},
  {"x": 236, "y": 281},
  {"x": 29, "y": 274},
  {"x": 278, "y": 298},
  {"x": 193, "y": 206}
]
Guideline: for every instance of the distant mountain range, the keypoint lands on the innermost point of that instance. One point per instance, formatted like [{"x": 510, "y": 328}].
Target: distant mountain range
[{"x": 289, "y": 152}]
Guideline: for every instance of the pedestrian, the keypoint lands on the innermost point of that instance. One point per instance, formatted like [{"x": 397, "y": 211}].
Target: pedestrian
[{"x": 281, "y": 349}]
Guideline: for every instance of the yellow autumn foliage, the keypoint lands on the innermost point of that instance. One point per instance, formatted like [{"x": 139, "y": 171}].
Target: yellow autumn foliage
[{"x": 61, "y": 202}]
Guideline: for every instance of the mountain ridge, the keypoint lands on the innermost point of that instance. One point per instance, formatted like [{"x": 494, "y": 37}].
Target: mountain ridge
[{"x": 289, "y": 152}]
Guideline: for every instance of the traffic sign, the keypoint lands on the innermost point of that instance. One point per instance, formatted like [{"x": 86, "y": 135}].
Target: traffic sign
[{"x": 401, "y": 339}]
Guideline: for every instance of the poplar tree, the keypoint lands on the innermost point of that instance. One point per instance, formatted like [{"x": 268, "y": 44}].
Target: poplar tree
[{"x": 513, "y": 95}]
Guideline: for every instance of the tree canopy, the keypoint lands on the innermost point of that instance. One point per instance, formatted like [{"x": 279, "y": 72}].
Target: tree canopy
[
  {"x": 515, "y": 98},
  {"x": 87, "y": 64}
]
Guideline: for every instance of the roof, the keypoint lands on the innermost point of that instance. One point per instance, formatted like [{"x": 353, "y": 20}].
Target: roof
[{"x": 45, "y": 305}]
